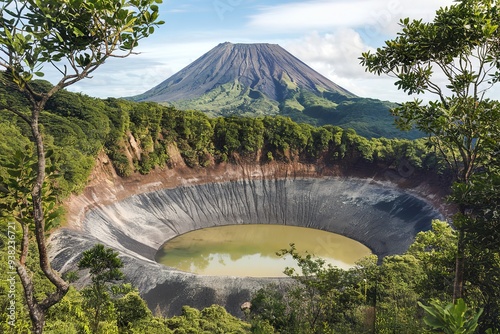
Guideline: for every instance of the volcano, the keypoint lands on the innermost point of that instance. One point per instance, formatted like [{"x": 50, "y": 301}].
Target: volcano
[
  {"x": 265, "y": 79},
  {"x": 253, "y": 69}
]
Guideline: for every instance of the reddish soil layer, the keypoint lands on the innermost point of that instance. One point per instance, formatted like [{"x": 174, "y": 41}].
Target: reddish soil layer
[{"x": 105, "y": 186}]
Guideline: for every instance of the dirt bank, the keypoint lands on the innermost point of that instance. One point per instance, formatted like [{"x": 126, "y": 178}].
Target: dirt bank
[{"x": 106, "y": 187}]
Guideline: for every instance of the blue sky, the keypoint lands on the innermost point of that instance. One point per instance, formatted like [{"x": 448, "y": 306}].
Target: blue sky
[{"x": 328, "y": 35}]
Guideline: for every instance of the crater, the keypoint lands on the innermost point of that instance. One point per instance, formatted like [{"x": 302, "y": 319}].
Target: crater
[{"x": 380, "y": 216}]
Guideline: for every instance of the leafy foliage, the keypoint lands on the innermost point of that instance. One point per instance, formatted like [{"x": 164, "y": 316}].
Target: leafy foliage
[
  {"x": 323, "y": 300},
  {"x": 461, "y": 45},
  {"x": 104, "y": 265},
  {"x": 213, "y": 319},
  {"x": 75, "y": 37},
  {"x": 129, "y": 314},
  {"x": 451, "y": 319},
  {"x": 137, "y": 137},
  {"x": 130, "y": 309},
  {"x": 436, "y": 250},
  {"x": 84, "y": 34},
  {"x": 370, "y": 118},
  {"x": 365, "y": 299},
  {"x": 16, "y": 197}
]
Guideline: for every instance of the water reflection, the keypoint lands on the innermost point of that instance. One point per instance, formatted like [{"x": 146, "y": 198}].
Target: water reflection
[{"x": 250, "y": 250}]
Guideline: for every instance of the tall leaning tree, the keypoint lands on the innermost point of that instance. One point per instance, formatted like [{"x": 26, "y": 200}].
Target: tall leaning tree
[
  {"x": 75, "y": 37},
  {"x": 456, "y": 59}
]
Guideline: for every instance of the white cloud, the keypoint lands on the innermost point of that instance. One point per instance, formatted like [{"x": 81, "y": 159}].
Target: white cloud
[
  {"x": 334, "y": 51},
  {"x": 339, "y": 51},
  {"x": 382, "y": 16},
  {"x": 308, "y": 15},
  {"x": 120, "y": 78},
  {"x": 335, "y": 55},
  {"x": 138, "y": 73}
]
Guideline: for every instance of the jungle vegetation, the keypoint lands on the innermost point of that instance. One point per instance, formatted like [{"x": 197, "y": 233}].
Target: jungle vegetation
[
  {"x": 461, "y": 46},
  {"x": 448, "y": 281},
  {"x": 75, "y": 38},
  {"x": 77, "y": 128}
]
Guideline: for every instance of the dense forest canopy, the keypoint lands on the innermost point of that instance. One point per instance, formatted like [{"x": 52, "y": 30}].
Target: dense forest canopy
[{"x": 78, "y": 127}]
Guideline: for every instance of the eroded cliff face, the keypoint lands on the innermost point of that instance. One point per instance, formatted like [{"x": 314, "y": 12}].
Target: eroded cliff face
[
  {"x": 383, "y": 209},
  {"x": 106, "y": 187}
]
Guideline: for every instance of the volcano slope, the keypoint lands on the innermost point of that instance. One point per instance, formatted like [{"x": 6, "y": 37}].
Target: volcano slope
[{"x": 377, "y": 213}]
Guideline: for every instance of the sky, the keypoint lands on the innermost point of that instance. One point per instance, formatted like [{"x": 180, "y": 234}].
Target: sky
[{"x": 328, "y": 35}]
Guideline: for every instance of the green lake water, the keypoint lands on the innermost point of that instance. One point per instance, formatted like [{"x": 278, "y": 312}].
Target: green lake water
[{"x": 250, "y": 250}]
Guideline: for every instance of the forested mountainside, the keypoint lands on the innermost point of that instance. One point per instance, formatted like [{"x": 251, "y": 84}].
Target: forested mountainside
[{"x": 136, "y": 137}]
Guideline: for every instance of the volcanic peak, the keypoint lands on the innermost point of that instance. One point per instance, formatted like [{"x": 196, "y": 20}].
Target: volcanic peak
[{"x": 265, "y": 68}]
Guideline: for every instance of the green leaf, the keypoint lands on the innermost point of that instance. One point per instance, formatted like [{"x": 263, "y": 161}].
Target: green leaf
[
  {"x": 61, "y": 40},
  {"x": 77, "y": 32},
  {"x": 14, "y": 172}
]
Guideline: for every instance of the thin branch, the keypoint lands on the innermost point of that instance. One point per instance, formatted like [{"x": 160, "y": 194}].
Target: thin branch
[
  {"x": 482, "y": 72},
  {"x": 63, "y": 73},
  {"x": 4, "y": 64},
  {"x": 24, "y": 244},
  {"x": 444, "y": 154},
  {"x": 20, "y": 114}
]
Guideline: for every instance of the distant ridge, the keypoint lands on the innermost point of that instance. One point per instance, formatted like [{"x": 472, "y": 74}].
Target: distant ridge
[{"x": 266, "y": 68}]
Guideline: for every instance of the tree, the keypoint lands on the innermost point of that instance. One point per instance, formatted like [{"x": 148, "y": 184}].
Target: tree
[
  {"x": 321, "y": 298},
  {"x": 75, "y": 37},
  {"x": 104, "y": 265},
  {"x": 461, "y": 45},
  {"x": 130, "y": 309},
  {"x": 212, "y": 319},
  {"x": 436, "y": 250},
  {"x": 481, "y": 221}
]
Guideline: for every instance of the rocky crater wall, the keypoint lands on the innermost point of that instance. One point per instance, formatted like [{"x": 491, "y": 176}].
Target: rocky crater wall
[{"x": 377, "y": 213}]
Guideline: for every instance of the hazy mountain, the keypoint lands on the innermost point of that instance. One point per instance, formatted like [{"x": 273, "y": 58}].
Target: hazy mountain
[{"x": 265, "y": 79}]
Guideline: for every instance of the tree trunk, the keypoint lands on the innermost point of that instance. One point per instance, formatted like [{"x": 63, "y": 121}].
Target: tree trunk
[
  {"x": 37, "y": 314},
  {"x": 459, "y": 267},
  {"x": 37, "y": 309},
  {"x": 97, "y": 316},
  {"x": 38, "y": 322}
]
